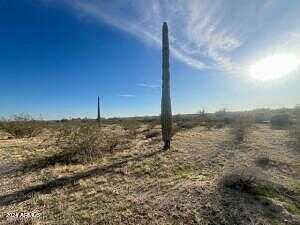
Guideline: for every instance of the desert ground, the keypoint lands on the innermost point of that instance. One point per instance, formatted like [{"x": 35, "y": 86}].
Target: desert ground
[{"x": 207, "y": 177}]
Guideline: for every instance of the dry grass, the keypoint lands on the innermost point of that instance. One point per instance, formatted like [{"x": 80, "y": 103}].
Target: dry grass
[
  {"x": 76, "y": 145},
  {"x": 22, "y": 129},
  {"x": 85, "y": 142},
  {"x": 241, "y": 127},
  {"x": 131, "y": 126},
  {"x": 274, "y": 200},
  {"x": 22, "y": 126},
  {"x": 137, "y": 183},
  {"x": 295, "y": 130}
]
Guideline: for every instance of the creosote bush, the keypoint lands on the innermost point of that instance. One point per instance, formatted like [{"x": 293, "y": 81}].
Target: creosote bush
[
  {"x": 281, "y": 121},
  {"x": 209, "y": 124},
  {"x": 22, "y": 126},
  {"x": 182, "y": 122},
  {"x": 152, "y": 134},
  {"x": 241, "y": 127},
  {"x": 152, "y": 124},
  {"x": 239, "y": 181},
  {"x": 263, "y": 160},
  {"x": 220, "y": 125},
  {"x": 131, "y": 126},
  {"x": 251, "y": 182},
  {"x": 295, "y": 129},
  {"x": 83, "y": 143}
]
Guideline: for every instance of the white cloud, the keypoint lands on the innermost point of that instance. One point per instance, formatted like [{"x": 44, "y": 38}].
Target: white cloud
[
  {"x": 152, "y": 86},
  {"x": 204, "y": 34},
  {"x": 126, "y": 96}
]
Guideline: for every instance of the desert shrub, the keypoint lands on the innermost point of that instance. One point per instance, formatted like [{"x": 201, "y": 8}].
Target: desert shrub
[
  {"x": 260, "y": 117},
  {"x": 220, "y": 125},
  {"x": 263, "y": 160},
  {"x": 295, "y": 129},
  {"x": 186, "y": 122},
  {"x": 152, "y": 134},
  {"x": 83, "y": 143},
  {"x": 152, "y": 124},
  {"x": 175, "y": 129},
  {"x": 241, "y": 127},
  {"x": 22, "y": 126},
  {"x": 187, "y": 125},
  {"x": 297, "y": 135},
  {"x": 254, "y": 188},
  {"x": 221, "y": 113},
  {"x": 249, "y": 181},
  {"x": 281, "y": 120},
  {"x": 131, "y": 126},
  {"x": 240, "y": 181},
  {"x": 209, "y": 123}
]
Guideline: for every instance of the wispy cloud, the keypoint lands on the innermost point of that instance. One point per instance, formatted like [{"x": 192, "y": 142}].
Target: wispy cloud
[
  {"x": 204, "y": 34},
  {"x": 126, "y": 96},
  {"x": 151, "y": 86}
]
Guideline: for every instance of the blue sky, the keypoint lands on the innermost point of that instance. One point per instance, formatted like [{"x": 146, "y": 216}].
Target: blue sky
[{"x": 57, "y": 56}]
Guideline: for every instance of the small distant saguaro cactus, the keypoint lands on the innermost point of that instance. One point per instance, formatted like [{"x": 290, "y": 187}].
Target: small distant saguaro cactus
[
  {"x": 98, "y": 115},
  {"x": 166, "y": 111}
]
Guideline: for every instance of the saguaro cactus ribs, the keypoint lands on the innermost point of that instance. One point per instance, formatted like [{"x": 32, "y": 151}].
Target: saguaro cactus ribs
[{"x": 166, "y": 112}]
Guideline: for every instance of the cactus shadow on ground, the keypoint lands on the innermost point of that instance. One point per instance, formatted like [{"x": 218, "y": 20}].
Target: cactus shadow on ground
[{"x": 47, "y": 187}]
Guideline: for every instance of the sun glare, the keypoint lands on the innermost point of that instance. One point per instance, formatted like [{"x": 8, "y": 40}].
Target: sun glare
[{"x": 274, "y": 67}]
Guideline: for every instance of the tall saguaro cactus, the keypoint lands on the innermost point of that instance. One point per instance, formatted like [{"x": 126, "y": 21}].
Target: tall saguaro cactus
[
  {"x": 98, "y": 115},
  {"x": 166, "y": 112}
]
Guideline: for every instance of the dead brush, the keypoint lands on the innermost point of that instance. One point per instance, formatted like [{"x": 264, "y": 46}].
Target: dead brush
[
  {"x": 295, "y": 129},
  {"x": 152, "y": 134},
  {"x": 281, "y": 121},
  {"x": 131, "y": 126},
  {"x": 241, "y": 127},
  {"x": 295, "y": 132},
  {"x": 22, "y": 128},
  {"x": 77, "y": 145},
  {"x": 253, "y": 182},
  {"x": 83, "y": 143},
  {"x": 248, "y": 185},
  {"x": 239, "y": 180},
  {"x": 263, "y": 161},
  {"x": 209, "y": 124}
]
